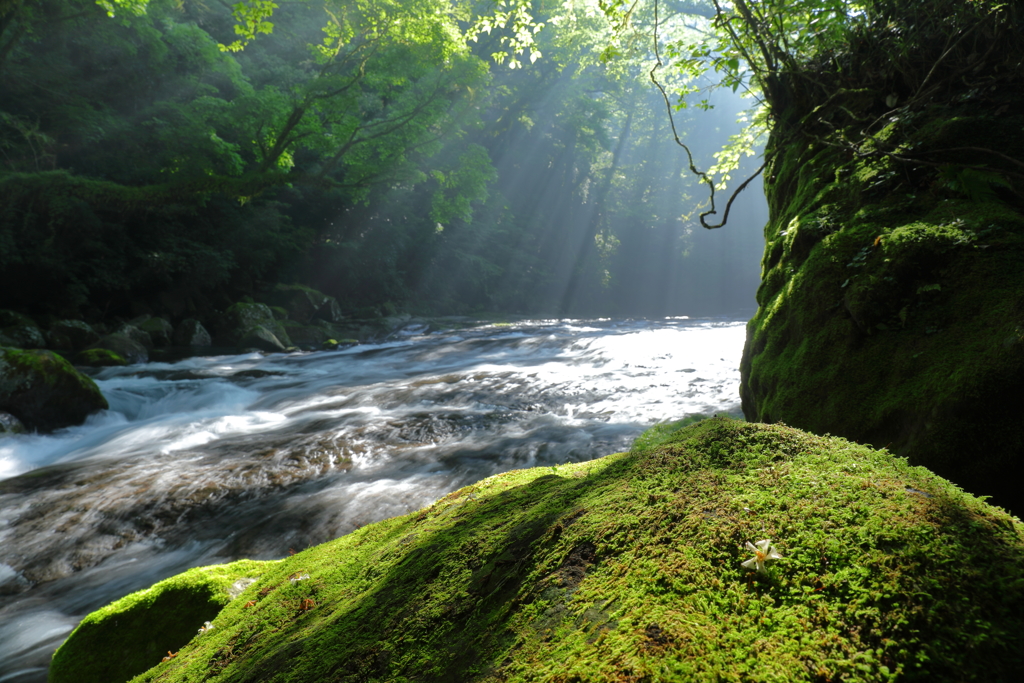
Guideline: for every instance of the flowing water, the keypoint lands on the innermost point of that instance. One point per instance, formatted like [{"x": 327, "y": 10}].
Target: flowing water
[{"x": 212, "y": 459}]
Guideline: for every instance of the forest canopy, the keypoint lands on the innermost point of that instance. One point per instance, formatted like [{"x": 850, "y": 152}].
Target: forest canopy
[{"x": 177, "y": 154}]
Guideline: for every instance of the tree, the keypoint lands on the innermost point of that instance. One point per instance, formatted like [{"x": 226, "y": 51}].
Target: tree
[
  {"x": 809, "y": 64},
  {"x": 145, "y": 118}
]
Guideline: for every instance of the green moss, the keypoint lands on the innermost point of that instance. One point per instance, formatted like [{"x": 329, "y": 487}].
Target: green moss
[
  {"x": 628, "y": 568},
  {"x": 99, "y": 358},
  {"x": 248, "y": 315},
  {"x": 41, "y": 364},
  {"x": 126, "y": 637},
  {"x": 891, "y": 305},
  {"x": 50, "y": 368},
  {"x": 333, "y": 344}
]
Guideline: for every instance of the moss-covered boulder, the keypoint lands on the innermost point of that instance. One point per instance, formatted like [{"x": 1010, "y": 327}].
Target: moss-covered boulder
[
  {"x": 25, "y": 336},
  {"x": 10, "y": 425},
  {"x": 125, "y": 346},
  {"x": 71, "y": 335},
  {"x": 892, "y": 303},
  {"x": 242, "y": 316},
  {"x": 261, "y": 338},
  {"x": 149, "y": 624},
  {"x": 253, "y": 325},
  {"x": 98, "y": 358},
  {"x": 305, "y": 336},
  {"x": 136, "y": 334},
  {"x": 637, "y": 567},
  {"x": 45, "y": 391},
  {"x": 190, "y": 332},
  {"x": 159, "y": 330},
  {"x": 17, "y": 329},
  {"x": 305, "y": 303}
]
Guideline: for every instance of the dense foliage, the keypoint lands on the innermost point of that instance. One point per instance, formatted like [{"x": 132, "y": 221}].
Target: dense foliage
[
  {"x": 170, "y": 157},
  {"x": 837, "y": 73}
]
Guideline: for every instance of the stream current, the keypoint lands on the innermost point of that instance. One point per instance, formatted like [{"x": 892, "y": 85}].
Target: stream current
[{"x": 212, "y": 459}]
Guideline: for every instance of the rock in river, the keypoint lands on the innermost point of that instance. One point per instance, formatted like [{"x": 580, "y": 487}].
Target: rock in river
[{"x": 44, "y": 391}]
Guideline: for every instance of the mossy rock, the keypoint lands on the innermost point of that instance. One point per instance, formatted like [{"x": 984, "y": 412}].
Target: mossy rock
[
  {"x": 136, "y": 334},
  {"x": 124, "y": 346},
  {"x": 27, "y": 336},
  {"x": 159, "y": 330},
  {"x": 243, "y": 316},
  {"x": 630, "y": 568},
  {"x": 10, "y": 425},
  {"x": 252, "y": 325},
  {"x": 45, "y": 391},
  {"x": 190, "y": 332},
  {"x": 78, "y": 334},
  {"x": 306, "y": 336},
  {"x": 126, "y": 637},
  {"x": 303, "y": 303},
  {"x": 260, "y": 337},
  {"x": 17, "y": 329},
  {"x": 99, "y": 358},
  {"x": 891, "y": 309},
  {"x": 350, "y": 331}
]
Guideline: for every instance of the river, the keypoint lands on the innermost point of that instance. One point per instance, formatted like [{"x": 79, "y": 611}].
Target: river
[{"x": 211, "y": 459}]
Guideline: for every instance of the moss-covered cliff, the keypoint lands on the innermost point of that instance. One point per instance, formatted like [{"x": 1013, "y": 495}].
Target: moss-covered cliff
[
  {"x": 626, "y": 568},
  {"x": 892, "y": 298}
]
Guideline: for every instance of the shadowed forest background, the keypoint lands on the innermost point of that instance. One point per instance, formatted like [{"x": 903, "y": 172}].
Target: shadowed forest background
[{"x": 384, "y": 160}]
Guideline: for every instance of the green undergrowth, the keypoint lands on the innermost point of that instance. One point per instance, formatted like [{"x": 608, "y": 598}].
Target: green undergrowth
[{"x": 628, "y": 568}]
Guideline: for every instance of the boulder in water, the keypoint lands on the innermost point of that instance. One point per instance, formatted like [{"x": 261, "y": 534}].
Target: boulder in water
[
  {"x": 253, "y": 325},
  {"x": 636, "y": 566},
  {"x": 306, "y": 336},
  {"x": 190, "y": 332},
  {"x": 44, "y": 391},
  {"x": 21, "y": 331},
  {"x": 98, "y": 358},
  {"x": 242, "y": 316},
  {"x": 305, "y": 303},
  {"x": 137, "y": 335},
  {"x": 77, "y": 333},
  {"x": 261, "y": 338},
  {"x": 124, "y": 346},
  {"x": 25, "y": 336},
  {"x": 10, "y": 424},
  {"x": 159, "y": 330}
]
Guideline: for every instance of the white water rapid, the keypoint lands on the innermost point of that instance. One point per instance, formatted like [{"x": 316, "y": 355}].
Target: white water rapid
[{"x": 213, "y": 459}]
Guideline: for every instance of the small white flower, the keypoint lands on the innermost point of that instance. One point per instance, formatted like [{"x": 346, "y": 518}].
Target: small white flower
[
  {"x": 764, "y": 554},
  {"x": 207, "y": 626}
]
